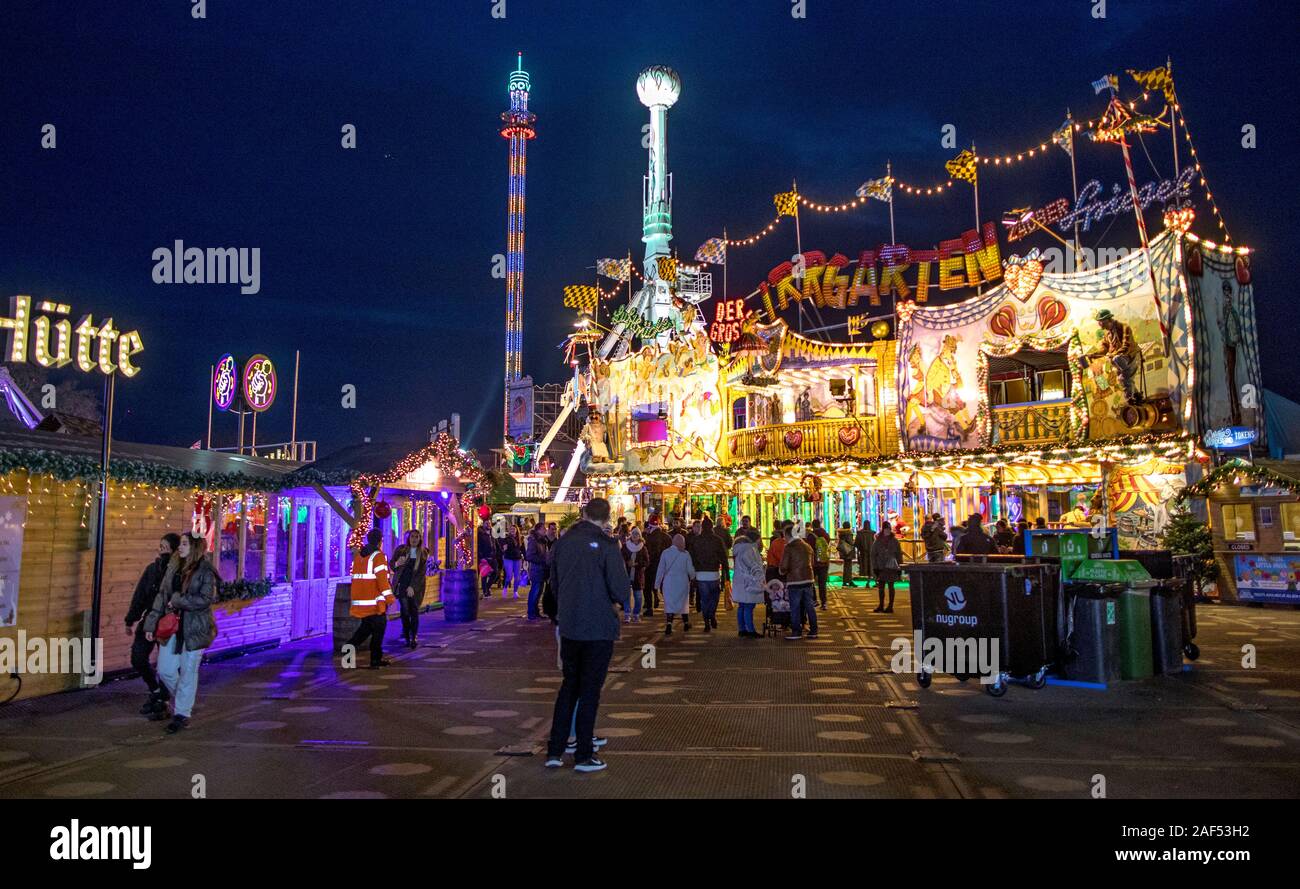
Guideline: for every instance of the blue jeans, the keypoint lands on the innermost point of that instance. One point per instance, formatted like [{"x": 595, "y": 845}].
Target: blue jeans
[
  {"x": 537, "y": 573},
  {"x": 745, "y": 617},
  {"x": 803, "y": 604},
  {"x": 709, "y": 591},
  {"x": 636, "y": 601},
  {"x": 180, "y": 674}
]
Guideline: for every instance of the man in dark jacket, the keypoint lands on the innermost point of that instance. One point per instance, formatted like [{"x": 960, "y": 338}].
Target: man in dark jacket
[
  {"x": 974, "y": 541},
  {"x": 589, "y": 579},
  {"x": 141, "y": 600},
  {"x": 657, "y": 542},
  {"x": 862, "y": 543},
  {"x": 536, "y": 553},
  {"x": 709, "y": 558}
]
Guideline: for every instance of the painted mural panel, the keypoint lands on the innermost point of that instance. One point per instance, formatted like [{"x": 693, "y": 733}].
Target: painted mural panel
[
  {"x": 1228, "y": 387},
  {"x": 1124, "y": 376},
  {"x": 664, "y": 404}
]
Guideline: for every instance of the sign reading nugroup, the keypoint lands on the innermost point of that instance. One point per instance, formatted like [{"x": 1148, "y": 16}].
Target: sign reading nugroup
[{"x": 53, "y": 338}]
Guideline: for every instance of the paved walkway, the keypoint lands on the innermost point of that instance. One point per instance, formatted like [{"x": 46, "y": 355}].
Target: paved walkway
[{"x": 717, "y": 716}]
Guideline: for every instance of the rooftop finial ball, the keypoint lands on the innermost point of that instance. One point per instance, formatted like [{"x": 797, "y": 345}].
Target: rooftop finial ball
[{"x": 658, "y": 85}]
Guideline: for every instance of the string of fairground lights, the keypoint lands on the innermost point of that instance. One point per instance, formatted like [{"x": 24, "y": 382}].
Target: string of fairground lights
[{"x": 1196, "y": 162}]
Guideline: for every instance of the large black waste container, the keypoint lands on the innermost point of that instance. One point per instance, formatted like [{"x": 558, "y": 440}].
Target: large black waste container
[
  {"x": 1091, "y": 653},
  {"x": 1167, "y": 629},
  {"x": 975, "y": 606}
]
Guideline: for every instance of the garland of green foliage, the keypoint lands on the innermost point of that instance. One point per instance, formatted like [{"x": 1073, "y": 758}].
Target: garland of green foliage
[
  {"x": 81, "y": 467},
  {"x": 243, "y": 589},
  {"x": 1237, "y": 468}
]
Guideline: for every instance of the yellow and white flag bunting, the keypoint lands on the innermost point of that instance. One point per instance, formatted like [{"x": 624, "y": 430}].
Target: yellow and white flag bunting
[
  {"x": 667, "y": 267},
  {"x": 1156, "y": 80},
  {"x": 962, "y": 166},
  {"x": 582, "y": 297}
]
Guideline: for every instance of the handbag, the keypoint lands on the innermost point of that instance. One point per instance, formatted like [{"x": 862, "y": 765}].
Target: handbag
[{"x": 168, "y": 625}]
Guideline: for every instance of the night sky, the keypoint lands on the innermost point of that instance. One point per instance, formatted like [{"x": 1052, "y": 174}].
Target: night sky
[{"x": 377, "y": 262}]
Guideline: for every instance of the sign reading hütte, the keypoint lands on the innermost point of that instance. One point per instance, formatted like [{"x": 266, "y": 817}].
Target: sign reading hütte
[{"x": 52, "y": 338}]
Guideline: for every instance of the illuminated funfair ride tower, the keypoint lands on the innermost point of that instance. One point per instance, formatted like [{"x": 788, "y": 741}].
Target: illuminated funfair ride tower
[
  {"x": 658, "y": 87},
  {"x": 517, "y": 126}
]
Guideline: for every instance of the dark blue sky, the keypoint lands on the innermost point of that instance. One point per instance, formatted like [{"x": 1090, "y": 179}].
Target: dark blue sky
[{"x": 377, "y": 262}]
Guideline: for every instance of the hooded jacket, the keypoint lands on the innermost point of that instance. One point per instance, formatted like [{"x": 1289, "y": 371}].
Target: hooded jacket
[
  {"x": 748, "y": 578},
  {"x": 589, "y": 579}
]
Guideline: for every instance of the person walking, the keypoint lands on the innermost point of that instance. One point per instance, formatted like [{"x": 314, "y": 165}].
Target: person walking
[
  {"x": 589, "y": 579},
  {"x": 673, "y": 581},
  {"x": 186, "y": 597},
  {"x": 935, "y": 538},
  {"x": 635, "y": 558},
  {"x": 797, "y": 571},
  {"x": 536, "y": 552},
  {"x": 487, "y": 558},
  {"x": 371, "y": 595},
  {"x": 775, "y": 550},
  {"x": 723, "y": 530},
  {"x": 844, "y": 545},
  {"x": 747, "y": 580},
  {"x": 512, "y": 562},
  {"x": 821, "y": 544},
  {"x": 862, "y": 543},
  {"x": 709, "y": 558},
  {"x": 887, "y": 558},
  {"x": 146, "y": 590},
  {"x": 411, "y": 562},
  {"x": 657, "y": 541}
]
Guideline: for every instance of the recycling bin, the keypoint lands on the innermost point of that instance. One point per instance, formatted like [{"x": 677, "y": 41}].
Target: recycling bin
[
  {"x": 1136, "y": 659},
  {"x": 985, "y": 610},
  {"x": 1167, "y": 629},
  {"x": 1091, "y": 653}
]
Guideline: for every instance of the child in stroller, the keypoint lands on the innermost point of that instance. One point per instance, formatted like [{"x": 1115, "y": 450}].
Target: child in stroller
[{"x": 776, "y": 603}]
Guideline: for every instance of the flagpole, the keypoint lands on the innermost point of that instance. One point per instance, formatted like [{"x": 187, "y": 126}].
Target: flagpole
[
  {"x": 629, "y": 277},
  {"x": 975, "y": 181},
  {"x": 889, "y": 174},
  {"x": 1074, "y": 186},
  {"x": 1173, "y": 115},
  {"x": 724, "y": 262},
  {"x": 798, "y": 242}
]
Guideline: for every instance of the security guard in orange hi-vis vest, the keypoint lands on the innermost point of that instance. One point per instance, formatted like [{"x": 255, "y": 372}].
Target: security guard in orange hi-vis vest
[{"x": 371, "y": 596}]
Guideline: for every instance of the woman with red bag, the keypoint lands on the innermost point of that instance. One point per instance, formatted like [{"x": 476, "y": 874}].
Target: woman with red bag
[{"x": 181, "y": 621}]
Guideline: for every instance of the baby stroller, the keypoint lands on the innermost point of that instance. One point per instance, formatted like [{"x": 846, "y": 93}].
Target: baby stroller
[{"x": 776, "y": 604}]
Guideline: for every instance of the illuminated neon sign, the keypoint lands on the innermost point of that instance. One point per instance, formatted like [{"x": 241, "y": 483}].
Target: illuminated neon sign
[
  {"x": 259, "y": 383},
  {"x": 727, "y": 321},
  {"x": 224, "y": 382},
  {"x": 54, "y": 337}
]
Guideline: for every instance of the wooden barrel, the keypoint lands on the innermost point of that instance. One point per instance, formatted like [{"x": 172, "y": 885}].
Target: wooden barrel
[
  {"x": 344, "y": 623},
  {"x": 460, "y": 596}
]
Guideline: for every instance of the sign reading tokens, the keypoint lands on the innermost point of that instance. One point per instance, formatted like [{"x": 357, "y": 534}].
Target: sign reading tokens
[
  {"x": 1230, "y": 437},
  {"x": 225, "y": 380},
  {"x": 259, "y": 383}
]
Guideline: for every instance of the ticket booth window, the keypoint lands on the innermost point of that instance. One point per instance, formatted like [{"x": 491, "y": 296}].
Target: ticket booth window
[
  {"x": 1291, "y": 525},
  {"x": 1238, "y": 521}
]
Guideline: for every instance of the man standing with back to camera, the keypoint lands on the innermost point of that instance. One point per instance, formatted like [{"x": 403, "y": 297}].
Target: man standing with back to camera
[{"x": 589, "y": 579}]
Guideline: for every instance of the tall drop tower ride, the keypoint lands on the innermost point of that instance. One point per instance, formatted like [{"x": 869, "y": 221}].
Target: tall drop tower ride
[{"x": 517, "y": 126}]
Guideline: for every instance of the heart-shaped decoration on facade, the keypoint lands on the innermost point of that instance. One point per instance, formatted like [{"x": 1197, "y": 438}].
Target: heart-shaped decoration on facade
[
  {"x": 1022, "y": 275},
  {"x": 1003, "y": 322},
  {"x": 849, "y": 435},
  {"x": 760, "y": 443},
  {"x": 1051, "y": 312},
  {"x": 793, "y": 439}
]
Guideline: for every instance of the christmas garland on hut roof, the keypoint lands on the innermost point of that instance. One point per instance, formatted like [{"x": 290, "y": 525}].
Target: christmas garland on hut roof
[
  {"x": 1240, "y": 472},
  {"x": 81, "y": 467}
]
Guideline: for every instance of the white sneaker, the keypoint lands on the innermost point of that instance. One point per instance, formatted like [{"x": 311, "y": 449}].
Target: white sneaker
[{"x": 555, "y": 763}]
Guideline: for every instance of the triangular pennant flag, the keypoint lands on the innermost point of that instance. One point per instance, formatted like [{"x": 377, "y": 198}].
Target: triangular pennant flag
[{"x": 1064, "y": 137}]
